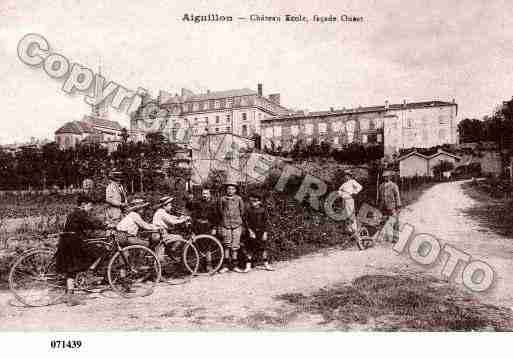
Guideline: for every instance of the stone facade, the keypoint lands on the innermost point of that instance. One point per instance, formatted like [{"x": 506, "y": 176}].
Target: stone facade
[
  {"x": 396, "y": 126},
  {"x": 237, "y": 112},
  {"x": 90, "y": 130}
]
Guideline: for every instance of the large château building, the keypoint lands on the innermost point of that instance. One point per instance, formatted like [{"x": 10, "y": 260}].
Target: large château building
[
  {"x": 239, "y": 112},
  {"x": 416, "y": 124}
]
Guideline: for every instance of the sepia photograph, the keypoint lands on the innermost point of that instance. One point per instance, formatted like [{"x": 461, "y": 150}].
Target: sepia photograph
[{"x": 255, "y": 167}]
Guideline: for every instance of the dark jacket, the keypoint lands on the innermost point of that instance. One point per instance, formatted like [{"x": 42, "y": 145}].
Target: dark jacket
[
  {"x": 205, "y": 215},
  {"x": 257, "y": 219},
  {"x": 73, "y": 252}
]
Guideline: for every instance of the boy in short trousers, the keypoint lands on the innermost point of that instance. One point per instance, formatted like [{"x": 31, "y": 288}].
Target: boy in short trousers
[{"x": 231, "y": 208}]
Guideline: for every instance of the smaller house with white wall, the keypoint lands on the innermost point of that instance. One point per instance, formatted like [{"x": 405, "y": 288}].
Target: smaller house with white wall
[{"x": 416, "y": 164}]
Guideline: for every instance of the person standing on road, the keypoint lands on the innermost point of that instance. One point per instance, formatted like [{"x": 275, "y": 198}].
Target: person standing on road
[
  {"x": 116, "y": 198},
  {"x": 390, "y": 204},
  {"x": 205, "y": 219},
  {"x": 347, "y": 190},
  {"x": 205, "y": 214},
  {"x": 257, "y": 224},
  {"x": 231, "y": 208}
]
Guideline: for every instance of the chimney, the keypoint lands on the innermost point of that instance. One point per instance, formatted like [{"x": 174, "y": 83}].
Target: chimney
[
  {"x": 453, "y": 101},
  {"x": 332, "y": 109},
  {"x": 208, "y": 91},
  {"x": 404, "y": 103},
  {"x": 260, "y": 91},
  {"x": 387, "y": 105}
]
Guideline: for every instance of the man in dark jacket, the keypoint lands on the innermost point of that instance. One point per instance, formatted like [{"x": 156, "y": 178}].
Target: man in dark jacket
[
  {"x": 205, "y": 217},
  {"x": 390, "y": 204},
  {"x": 74, "y": 254},
  {"x": 205, "y": 214}
]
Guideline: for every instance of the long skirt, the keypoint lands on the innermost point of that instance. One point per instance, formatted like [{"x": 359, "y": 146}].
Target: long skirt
[{"x": 75, "y": 255}]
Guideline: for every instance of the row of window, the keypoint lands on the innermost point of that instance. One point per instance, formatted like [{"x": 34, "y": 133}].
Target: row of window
[
  {"x": 198, "y": 130},
  {"x": 308, "y": 128},
  {"x": 424, "y": 121},
  {"x": 337, "y": 140},
  {"x": 220, "y": 104},
  {"x": 322, "y": 127},
  {"x": 196, "y": 121}
]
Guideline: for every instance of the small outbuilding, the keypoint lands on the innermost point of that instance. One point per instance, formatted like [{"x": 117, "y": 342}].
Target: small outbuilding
[{"x": 415, "y": 164}]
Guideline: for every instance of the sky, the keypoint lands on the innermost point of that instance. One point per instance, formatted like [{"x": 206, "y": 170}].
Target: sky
[{"x": 411, "y": 50}]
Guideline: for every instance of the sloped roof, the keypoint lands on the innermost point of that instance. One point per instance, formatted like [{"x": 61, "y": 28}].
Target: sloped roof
[
  {"x": 442, "y": 152},
  {"x": 436, "y": 154},
  {"x": 412, "y": 153},
  {"x": 408, "y": 105},
  {"x": 221, "y": 94},
  {"x": 101, "y": 122},
  {"x": 76, "y": 127}
]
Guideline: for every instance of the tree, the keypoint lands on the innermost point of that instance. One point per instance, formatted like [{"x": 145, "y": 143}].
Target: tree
[{"x": 471, "y": 130}]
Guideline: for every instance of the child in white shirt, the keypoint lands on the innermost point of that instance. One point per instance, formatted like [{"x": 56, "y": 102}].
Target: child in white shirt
[{"x": 132, "y": 222}]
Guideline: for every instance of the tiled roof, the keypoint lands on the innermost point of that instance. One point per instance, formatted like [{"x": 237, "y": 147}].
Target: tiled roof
[
  {"x": 221, "y": 94},
  {"x": 76, "y": 127},
  {"x": 101, "y": 122},
  {"x": 428, "y": 157},
  {"x": 410, "y": 105}
]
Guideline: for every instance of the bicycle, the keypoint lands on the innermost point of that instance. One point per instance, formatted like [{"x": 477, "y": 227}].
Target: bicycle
[
  {"x": 177, "y": 256},
  {"x": 365, "y": 230},
  {"x": 210, "y": 249},
  {"x": 207, "y": 248},
  {"x": 132, "y": 271}
]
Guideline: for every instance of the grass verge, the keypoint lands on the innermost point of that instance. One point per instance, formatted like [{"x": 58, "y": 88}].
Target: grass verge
[
  {"x": 400, "y": 303},
  {"x": 493, "y": 213}
]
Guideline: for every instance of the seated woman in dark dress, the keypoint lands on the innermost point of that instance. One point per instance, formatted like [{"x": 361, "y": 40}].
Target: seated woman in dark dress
[{"x": 74, "y": 254}]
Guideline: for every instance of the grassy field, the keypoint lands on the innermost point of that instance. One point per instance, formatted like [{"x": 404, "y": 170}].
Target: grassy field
[
  {"x": 491, "y": 212},
  {"x": 400, "y": 303},
  {"x": 295, "y": 228}
]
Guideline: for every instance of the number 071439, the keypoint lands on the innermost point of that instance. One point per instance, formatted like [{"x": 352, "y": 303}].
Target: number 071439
[{"x": 65, "y": 344}]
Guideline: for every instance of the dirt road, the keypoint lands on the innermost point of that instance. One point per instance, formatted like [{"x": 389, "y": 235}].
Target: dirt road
[{"x": 249, "y": 301}]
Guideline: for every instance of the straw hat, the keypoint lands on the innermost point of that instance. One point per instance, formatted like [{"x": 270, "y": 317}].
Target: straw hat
[
  {"x": 164, "y": 201},
  {"x": 137, "y": 204},
  {"x": 115, "y": 175}
]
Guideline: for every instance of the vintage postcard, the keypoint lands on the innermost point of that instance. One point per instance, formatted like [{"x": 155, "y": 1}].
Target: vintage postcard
[{"x": 291, "y": 166}]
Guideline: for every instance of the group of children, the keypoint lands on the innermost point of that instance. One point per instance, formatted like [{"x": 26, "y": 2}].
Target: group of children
[{"x": 238, "y": 225}]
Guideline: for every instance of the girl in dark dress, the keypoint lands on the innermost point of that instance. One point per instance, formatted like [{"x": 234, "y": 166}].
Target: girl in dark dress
[{"x": 74, "y": 254}]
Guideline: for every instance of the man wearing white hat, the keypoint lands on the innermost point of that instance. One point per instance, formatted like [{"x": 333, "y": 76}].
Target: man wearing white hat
[
  {"x": 347, "y": 190},
  {"x": 390, "y": 203}
]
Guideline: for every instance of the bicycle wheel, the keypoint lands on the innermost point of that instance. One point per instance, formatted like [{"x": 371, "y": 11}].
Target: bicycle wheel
[
  {"x": 34, "y": 281},
  {"x": 363, "y": 232},
  {"x": 177, "y": 260},
  {"x": 365, "y": 237},
  {"x": 134, "y": 271},
  {"x": 211, "y": 253}
]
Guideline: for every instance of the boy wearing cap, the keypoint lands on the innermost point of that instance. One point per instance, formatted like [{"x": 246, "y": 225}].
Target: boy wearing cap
[
  {"x": 390, "y": 203},
  {"x": 257, "y": 223},
  {"x": 231, "y": 209}
]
